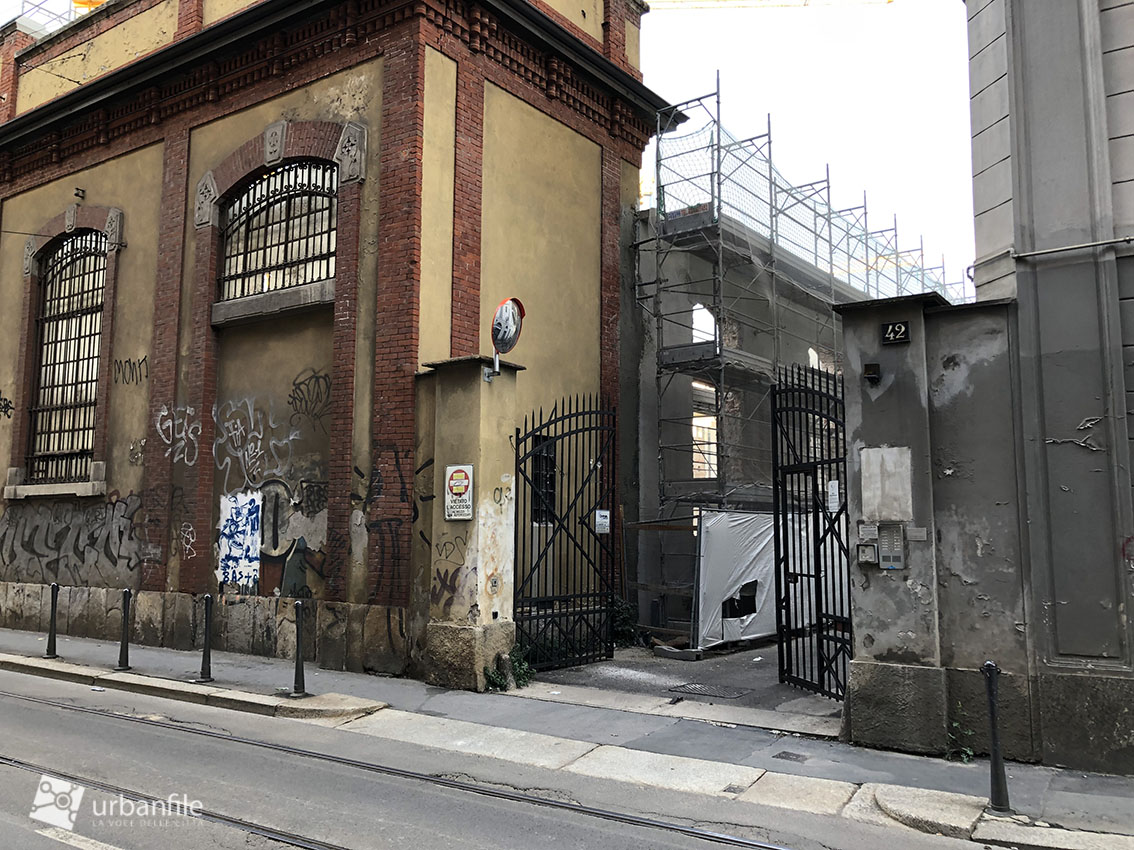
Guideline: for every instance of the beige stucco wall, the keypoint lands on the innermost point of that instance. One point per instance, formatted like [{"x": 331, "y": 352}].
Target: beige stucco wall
[
  {"x": 133, "y": 184},
  {"x": 438, "y": 164},
  {"x": 540, "y": 242},
  {"x": 351, "y": 95},
  {"x": 634, "y": 45},
  {"x": 585, "y": 14},
  {"x": 216, "y": 9},
  {"x": 272, "y": 437},
  {"x": 112, "y": 49}
]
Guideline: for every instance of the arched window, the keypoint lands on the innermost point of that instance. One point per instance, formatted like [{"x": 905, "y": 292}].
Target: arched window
[
  {"x": 72, "y": 282},
  {"x": 279, "y": 232}
]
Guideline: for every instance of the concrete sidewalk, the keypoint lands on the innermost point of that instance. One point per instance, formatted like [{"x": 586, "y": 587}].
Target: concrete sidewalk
[{"x": 686, "y": 747}]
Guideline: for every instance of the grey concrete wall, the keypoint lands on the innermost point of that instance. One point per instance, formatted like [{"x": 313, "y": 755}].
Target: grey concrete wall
[
  {"x": 895, "y": 612},
  {"x": 1072, "y": 387},
  {"x": 992, "y": 598},
  {"x": 981, "y": 568},
  {"x": 921, "y": 633}
]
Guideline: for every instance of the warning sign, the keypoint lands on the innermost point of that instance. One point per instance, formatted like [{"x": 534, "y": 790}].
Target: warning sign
[{"x": 458, "y": 492}]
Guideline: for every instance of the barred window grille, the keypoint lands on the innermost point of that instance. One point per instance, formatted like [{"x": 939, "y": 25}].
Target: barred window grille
[
  {"x": 72, "y": 279},
  {"x": 280, "y": 231}
]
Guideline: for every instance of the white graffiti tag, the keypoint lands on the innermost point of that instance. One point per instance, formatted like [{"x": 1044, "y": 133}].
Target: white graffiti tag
[
  {"x": 188, "y": 538},
  {"x": 250, "y": 444},
  {"x": 180, "y": 430}
]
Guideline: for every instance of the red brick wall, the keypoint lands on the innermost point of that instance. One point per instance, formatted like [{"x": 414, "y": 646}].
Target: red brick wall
[
  {"x": 292, "y": 58},
  {"x": 390, "y": 514},
  {"x": 9, "y": 79},
  {"x": 157, "y": 463}
]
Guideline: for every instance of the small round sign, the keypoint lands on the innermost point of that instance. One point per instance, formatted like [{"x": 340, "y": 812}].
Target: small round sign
[
  {"x": 506, "y": 325},
  {"x": 459, "y": 482}
]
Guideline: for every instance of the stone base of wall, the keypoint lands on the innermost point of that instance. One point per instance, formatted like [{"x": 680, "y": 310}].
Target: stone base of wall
[
  {"x": 1076, "y": 720},
  {"x": 896, "y": 707},
  {"x": 456, "y": 655},
  {"x": 1088, "y": 721},
  {"x": 337, "y": 635}
]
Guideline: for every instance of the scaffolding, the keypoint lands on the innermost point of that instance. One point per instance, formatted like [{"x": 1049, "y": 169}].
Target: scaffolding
[
  {"x": 739, "y": 270},
  {"x": 50, "y": 15}
]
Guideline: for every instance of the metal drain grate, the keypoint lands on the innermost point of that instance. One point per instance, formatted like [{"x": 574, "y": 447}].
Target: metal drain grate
[{"x": 697, "y": 689}]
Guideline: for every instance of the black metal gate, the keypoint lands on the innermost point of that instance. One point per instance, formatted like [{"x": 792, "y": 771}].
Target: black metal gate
[
  {"x": 565, "y": 546},
  {"x": 812, "y": 562}
]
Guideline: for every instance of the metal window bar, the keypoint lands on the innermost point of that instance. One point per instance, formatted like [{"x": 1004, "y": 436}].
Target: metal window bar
[
  {"x": 72, "y": 280},
  {"x": 280, "y": 231},
  {"x": 543, "y": 479}
]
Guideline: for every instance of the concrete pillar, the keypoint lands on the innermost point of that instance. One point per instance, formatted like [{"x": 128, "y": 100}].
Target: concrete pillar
[
  {"x": 471, "y": 560},
  {"x": 896, "y": 691}
]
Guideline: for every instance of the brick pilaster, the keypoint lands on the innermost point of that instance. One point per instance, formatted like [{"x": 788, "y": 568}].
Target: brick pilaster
[
  {"x": 465, "y": 329},
  {"x": 341, "y": 462},
  {"x": 158, "y": 465},
  {"x": 12, "y": 40},
  {"x": 190, "y": 18},
  {"x": 395, "y": 351}
]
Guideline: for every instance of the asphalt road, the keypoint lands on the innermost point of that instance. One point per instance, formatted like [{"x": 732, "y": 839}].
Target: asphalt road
[{"x": 324, "y": 801}]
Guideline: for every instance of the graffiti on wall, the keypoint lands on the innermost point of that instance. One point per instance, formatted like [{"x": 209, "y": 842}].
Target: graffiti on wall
[
  {"x": 310, "y": 399},
  {"x": 448, "y": 572},
  {"x": 239, "y": 541},
  {"x": 294, "y": 545},
  {"x": 132, "y": 370},
  {"x": 180, "y": 430},
  {"x": 370, "y": 494},
  {"x": 251, "y": 444},
  {"x": 98, "y": 545},
  {"x": 6, "y": 406}
]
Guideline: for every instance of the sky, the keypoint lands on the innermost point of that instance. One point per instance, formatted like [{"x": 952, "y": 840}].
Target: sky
[{"x": 878, "y": 91}]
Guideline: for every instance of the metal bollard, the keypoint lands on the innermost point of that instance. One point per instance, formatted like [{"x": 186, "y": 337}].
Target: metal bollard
[
  {"x": 207, "y": 652},
  {"x": 299, "y": 689},
  {"x": 51, "y": 653},
  {"x": 998, "y": 792},
  {"x": 124, "y": 647}
]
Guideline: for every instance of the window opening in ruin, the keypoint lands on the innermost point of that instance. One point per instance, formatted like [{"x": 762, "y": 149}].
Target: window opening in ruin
[{"x": 704, "y": 430}]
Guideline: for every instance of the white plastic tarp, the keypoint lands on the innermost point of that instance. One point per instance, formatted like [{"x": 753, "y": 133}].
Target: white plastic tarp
[{"x": 736, "y": 548}]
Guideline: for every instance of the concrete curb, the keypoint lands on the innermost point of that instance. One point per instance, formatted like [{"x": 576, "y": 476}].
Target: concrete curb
[
  {"x": 964, "y": 817},
  {"x": 338, "y": 707},
  {"x": 952, "y": 815},
  {"x": 1010, "y": 832}
]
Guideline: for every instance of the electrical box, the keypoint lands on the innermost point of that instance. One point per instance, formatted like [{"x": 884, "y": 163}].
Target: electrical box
[
  {"x": 891, "y": 546},
  {"x": 868, "y": 554}
]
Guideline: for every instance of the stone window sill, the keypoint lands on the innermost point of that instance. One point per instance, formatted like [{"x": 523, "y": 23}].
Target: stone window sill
[
  {"x": 73, "y": 488},
  {"x": 17, "y": 489},
  {"x": 275, "y": 303}
]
